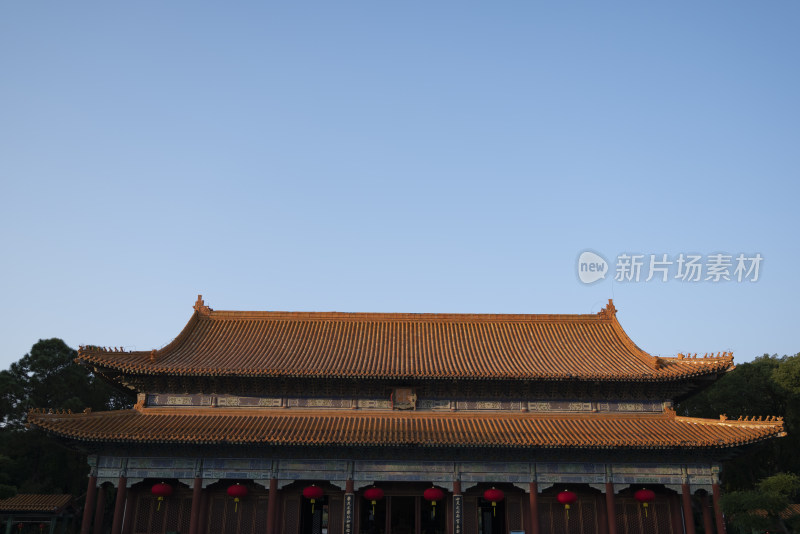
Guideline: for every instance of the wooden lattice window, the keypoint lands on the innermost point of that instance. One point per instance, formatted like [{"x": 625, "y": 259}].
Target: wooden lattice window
[
  {"x": 291, "y": 514},
  {"x": 335, "y": 517},
  {"x": 470, "y": 514},
  {"x": 631, "y": 518},
  {"x": 514, "y": 512}
]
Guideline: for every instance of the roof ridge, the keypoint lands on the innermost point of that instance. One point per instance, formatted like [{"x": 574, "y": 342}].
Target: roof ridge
[
  {"x": 768, "y": 421},
  {"x": 692, "y": 358},
  {"x": 405, "y": 316},
  {"x": 605, "y": 314}
]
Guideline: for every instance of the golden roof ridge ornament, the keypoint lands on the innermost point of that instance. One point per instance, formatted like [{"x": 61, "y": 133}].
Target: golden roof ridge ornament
[
  {"x": 609, "y": 312},
  {"x": 200, "y": 306}
]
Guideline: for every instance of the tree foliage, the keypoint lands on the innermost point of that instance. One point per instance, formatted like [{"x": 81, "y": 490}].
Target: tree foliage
[
  {"x": 787, "y": 375},
  {"x": 6, "y": 488},
  {"x": 759, "y": 484},
  {"x": 766, "y": 506},
  {"x": 769, "y": 385},
  {"x": 47, "y": 377}
]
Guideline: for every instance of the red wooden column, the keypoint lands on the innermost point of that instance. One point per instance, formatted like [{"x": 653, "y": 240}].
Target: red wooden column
[
  {"x": 88, "y": 507},
  {"x": 675, "y": 510},
  {"x": 272, "y": 505},
  {"x": 534, "y": 504},
  {"x": 202, "y": 515},
  {"x": 194, "y": 517},
  {"x": 611, "y": 508},
  {"x": 99, "y": 511},
  {"x": 718, "y": 509},
  {"x": 119, "y": 505},
  {"x": 688, "y": 515},
  {"x": 602, "y": 514},
  {"x": 708, "y": 523}
]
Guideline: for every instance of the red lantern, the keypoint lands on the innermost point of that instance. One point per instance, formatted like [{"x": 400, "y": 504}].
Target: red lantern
[
  {"x": 494, "y": 495},
  {"x": 373, "y": 495},
  {"x": 161, "y": 490},
  {"x": 567, "y": 498},
  {"x": 433, "y": 495},
  {"x": 645, "y": 496},
  {"x": 312, "y": 493},
  {"x": 237, "y": 491}
]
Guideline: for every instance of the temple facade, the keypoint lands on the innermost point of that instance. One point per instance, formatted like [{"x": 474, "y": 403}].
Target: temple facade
[{"x": 361, "y": 423}]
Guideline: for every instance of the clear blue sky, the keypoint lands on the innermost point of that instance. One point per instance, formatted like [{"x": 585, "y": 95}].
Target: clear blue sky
[{"x": 395, "y": 157}]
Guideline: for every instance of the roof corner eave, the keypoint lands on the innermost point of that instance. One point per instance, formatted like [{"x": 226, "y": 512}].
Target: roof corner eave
[{"x": 651, "y": 361}]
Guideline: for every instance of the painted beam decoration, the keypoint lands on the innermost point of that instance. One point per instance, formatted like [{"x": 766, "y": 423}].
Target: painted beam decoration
[
  {"x": 110, "y": 468},
  {"x": 407, "y": 400}
]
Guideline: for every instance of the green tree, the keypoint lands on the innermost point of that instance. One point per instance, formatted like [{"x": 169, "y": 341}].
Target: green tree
[
  {"x": 47, "y": 377},
  {"x": 747, "y": 391},
  {"x": 6, "y": 489},
  {"x": 787, "y": 375},
  {"x": 766, "y": 506}
]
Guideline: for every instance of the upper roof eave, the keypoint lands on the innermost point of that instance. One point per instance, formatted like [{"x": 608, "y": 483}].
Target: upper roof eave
[{"x": 168, "y": 360}]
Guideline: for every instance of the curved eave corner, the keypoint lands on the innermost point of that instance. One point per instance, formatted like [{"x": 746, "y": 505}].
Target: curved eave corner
[
  {"x": 609, "y": 313},
  {"x": 689, "y": 365},
  {"x": 117, "y": 359}
]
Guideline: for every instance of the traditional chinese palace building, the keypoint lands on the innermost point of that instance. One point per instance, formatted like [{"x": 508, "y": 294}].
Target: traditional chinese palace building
[{"x": 343, "y": 423}]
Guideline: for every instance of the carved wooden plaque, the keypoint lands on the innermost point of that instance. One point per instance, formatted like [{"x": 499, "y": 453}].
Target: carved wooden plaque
[{"x": 404, "y": 399}]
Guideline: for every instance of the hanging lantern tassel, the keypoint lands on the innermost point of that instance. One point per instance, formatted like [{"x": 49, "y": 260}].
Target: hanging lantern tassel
[
  {"x": 566, "y": 498},
  {"x": 373, "y": 495},
  {"x": 161, "y": 490},
  {"x": 238, "y": 492},
  {"x": 433, "y": 494},
  {"x": 494, "y": 496},
  {"x": 645, "y": 496},
  {"x": 312, "y": 493}
]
